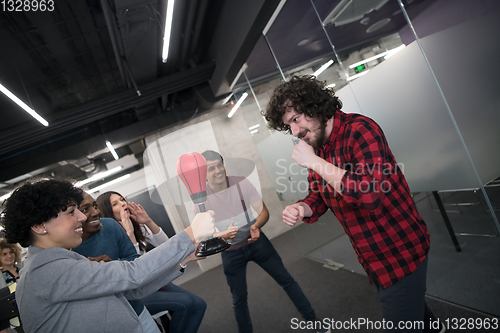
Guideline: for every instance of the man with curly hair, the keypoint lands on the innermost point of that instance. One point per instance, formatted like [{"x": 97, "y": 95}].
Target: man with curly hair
[{"x": 353, "y": 173}]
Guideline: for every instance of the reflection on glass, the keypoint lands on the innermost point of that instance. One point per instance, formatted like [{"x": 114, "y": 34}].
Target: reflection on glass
[{"x": 413, "y": 116}]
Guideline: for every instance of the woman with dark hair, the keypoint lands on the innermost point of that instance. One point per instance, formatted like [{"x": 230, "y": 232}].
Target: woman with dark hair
[
  {"x": 62, "y": 291},
  {"x": 139, "y": 227},
  {"x": 187, "y": 309}
]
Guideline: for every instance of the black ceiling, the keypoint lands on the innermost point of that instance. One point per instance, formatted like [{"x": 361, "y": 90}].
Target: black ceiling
[{"x": 93, "y": 68}]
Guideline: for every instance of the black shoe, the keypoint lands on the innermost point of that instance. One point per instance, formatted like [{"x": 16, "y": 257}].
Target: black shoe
[{"x": 212, "y": 246}]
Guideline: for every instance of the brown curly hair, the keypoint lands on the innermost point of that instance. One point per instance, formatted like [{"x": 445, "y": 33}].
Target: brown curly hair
[
  {"x": 306, "y": 95},
  {"x": 14, "y": 247}
]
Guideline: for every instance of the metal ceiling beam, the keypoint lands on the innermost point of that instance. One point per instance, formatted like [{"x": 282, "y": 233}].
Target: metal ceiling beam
[
  {"x": 28, "y": 134},
  {"x": 33, "y": 160},
  {"x": 113, "y": 33},
  {"x": 239, "y": 28}
]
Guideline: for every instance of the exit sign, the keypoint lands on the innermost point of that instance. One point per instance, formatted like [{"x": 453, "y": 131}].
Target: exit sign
[{"x": 359, "y": 68}]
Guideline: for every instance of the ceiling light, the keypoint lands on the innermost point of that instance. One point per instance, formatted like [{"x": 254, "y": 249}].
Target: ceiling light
[
  {"x": 378, "y": 25},
  {"x": 356, "y": 76},
  {"x": 6, "y": 196},
  {"x": 254, "y": 131},
  {"x": 322, "y": 68},
  {"x": 303, "y": 42},
  {"x": 331, "y": 85},
  {"x": 394, "y": 51},
  {"x": 98, "y": 176},
  {"x": 237, "y": 105},
  {"x": 391, "y": 52},
  {"x": 168, "y": 29},
  {"x": 114, "y": 181},
  {"x": 275, "y": 15},
  {"x": 254, "y": 127},
  {"x": 23, "y": 105},
  {"x": 112, "y": 150},
  {"x": 336, "y": 12}
]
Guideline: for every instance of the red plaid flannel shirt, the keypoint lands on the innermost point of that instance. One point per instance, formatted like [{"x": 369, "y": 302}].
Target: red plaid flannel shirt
[{"x": 376, "y": 208}]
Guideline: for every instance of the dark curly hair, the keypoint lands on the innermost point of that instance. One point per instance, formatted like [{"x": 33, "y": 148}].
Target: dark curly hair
[
  {"x": 104, "y": 203},
  {"x": 306, "y": 95},
  {"x": 36, "y": 202}
]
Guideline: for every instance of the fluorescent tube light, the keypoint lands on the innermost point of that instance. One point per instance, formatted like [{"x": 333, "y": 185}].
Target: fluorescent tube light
[
  {"x": 254, "y": 131},
  {"x": 237, "y": 105},
  {"x": 98, "y": 176},
  {"x": 114, "y": 181},
  {"x": 168, "y": 29},
  {"x": 336, "y": 12},
  {"x": 322, "y": 68},
  {"x": 5, "y": 196},
  {"x": 356, "y": 76},
  {"x": 254, "y": 127},
  {"x": 275, "y": 15},
  {"x": 23, "y": 105},
  {"x": 112, "y": 150},
  {"x": 331, "y": 85},
  {"x": 393, "y": 51}
]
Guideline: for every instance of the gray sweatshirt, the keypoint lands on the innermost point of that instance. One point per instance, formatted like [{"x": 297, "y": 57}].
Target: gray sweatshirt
[{"x": 62, "y": 291}]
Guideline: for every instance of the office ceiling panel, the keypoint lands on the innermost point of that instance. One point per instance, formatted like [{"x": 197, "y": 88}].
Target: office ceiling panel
[{"x": 93, "y": 69}]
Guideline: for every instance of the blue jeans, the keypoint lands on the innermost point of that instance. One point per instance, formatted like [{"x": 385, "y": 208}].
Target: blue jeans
[
  {"x": 187, "y": 309},
  {"x": 263, "y": 254},
  {"x": 404, "y": 302}
]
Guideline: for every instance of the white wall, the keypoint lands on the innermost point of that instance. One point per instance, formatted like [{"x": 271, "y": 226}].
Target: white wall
[{"x": 401, "y": 95}]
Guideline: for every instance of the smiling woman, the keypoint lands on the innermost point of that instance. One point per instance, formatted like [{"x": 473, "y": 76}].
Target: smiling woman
[
  {"x": 58, "y": 290},
  {"x": 10, "y": 258}
]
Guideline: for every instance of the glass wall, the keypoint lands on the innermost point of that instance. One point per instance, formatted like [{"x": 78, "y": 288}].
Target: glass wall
[{"x": 429, "y": 80}]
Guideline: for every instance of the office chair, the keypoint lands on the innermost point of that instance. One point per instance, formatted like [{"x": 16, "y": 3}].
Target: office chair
[
  {"x": 8, "y": 307},
  {"x": 157, "y": 316}
]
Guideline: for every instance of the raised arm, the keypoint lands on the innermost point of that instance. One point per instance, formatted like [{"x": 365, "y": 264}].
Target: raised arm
[
  {"x": 74, "y": 278},
  {"x": 140, "y": 215}
]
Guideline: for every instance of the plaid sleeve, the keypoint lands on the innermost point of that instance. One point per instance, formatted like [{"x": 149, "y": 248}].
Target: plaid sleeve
[
  {"x": 314, "y": 199},
  {"x": 367, "y": 176}
]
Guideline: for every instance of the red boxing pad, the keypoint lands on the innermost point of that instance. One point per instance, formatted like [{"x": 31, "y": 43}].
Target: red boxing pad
[{"x": 192, "y": 170}]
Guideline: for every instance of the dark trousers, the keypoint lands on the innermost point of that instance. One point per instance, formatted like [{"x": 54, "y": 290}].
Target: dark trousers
[
  {"x": 263, "y": 254},
  {"x": 404, "y": 303},
  {"x": 187, "y": 309}
]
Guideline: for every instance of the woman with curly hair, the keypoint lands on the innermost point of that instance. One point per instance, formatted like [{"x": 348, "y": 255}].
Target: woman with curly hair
[
  {"x": 187, "y": 309},
  {"x": 10, "y": 259},
  {"x": 62, "y": 291}
]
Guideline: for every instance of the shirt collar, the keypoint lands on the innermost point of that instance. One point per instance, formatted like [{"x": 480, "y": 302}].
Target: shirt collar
[{"x": 338, "y": 119}]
